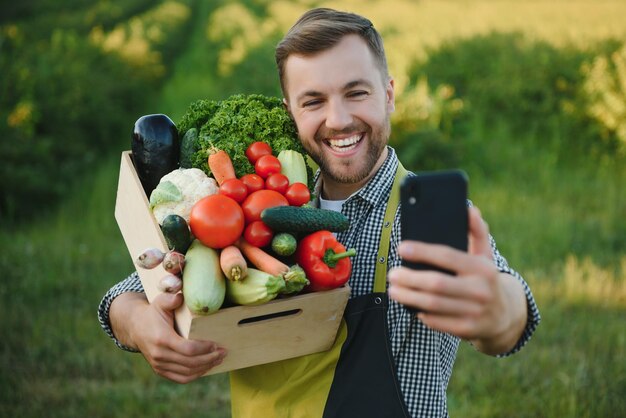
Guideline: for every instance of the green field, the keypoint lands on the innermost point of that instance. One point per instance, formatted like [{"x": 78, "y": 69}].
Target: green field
[{"x": 527, "y": 96}]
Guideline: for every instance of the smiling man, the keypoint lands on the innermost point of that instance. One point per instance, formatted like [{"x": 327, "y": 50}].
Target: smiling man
[
  {"x": 341, "y": 101},
  {"x": 386, "y": 361}
]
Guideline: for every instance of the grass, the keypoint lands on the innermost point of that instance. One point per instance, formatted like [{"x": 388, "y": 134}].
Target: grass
[
  {"x": 559, "y": 223},
  {"x": 571, "y": 368}
]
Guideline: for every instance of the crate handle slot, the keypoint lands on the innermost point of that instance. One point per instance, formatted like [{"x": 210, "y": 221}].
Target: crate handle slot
[{"x": 268, "y": 317}]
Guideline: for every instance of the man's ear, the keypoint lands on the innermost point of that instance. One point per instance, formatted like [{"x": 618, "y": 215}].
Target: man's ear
[
  {"x": 391, "y": 95},
  {"x": 286, "y": 106}
]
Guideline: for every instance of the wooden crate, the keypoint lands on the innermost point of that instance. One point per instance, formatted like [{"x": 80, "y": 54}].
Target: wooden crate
[{"x": 253, "y": 335}]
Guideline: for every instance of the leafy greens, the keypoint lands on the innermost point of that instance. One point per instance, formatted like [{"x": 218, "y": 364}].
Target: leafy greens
[{"x": 235, "y": 123}]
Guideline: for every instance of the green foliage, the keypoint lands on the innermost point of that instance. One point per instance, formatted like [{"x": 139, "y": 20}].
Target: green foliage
[
  {"x": 506, "y": 76},
  {"x": 71, "y": 95},
  {"x": 42, "y": 16},
  {"x": 256, "y": 74},
  {"x": 605, "y": 88},
  {"x": 236, "y": 122},
  {"x": 63, "y": 107},
  {"x": 509, "y": 86},
  {"x": 423, "y": 126}
]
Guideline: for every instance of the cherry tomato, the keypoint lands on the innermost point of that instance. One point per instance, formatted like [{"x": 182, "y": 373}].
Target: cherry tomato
[
  {"x": 258, "y": 234},
  {"x": 217, "y": 221},
  {"x": 259, "y": 200},
  {"x": 253, "y": 182},
  {"x": 298, "y": 194},
  {"x": 235, "y": 189},
  {"x": 266, "y": 165},
  {"x": 256, "y": 150},
  {"x": 278, "y": 182}
]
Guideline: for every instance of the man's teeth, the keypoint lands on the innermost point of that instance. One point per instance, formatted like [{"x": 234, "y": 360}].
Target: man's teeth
[{"x": 344, "y": 144}]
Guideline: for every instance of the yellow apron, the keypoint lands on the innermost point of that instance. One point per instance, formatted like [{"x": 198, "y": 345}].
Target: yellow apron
[{"x": 356, "y": 377}]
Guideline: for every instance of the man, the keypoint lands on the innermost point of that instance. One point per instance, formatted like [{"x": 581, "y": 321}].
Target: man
[{"x": 387, "y": 361}]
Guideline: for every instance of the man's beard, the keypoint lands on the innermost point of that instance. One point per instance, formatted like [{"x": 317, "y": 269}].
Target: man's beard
[{"x": 376, "y": 143}]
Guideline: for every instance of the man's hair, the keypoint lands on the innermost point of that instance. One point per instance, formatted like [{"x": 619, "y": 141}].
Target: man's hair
[{"x": 321, "y": 29}]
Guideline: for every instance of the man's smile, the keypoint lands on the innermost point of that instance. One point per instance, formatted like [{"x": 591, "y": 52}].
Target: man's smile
[{"x": 345, "y": 144}]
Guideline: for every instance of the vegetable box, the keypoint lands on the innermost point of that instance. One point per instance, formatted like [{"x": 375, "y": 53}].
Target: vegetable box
[{"x": 252, "y": 335}]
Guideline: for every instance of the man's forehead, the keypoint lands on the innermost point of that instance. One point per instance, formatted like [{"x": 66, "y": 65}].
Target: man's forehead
[{"x": 347, "y": 64}]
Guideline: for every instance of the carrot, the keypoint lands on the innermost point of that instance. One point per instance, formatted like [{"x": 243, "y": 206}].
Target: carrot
[
  {"x": 232, "y": 263},
  {"x": 221, "y": 165},
  {"x": 261, "y": 259}
]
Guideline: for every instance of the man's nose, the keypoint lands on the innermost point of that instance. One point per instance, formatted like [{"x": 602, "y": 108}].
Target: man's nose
[{"x": 337, "y": 116}]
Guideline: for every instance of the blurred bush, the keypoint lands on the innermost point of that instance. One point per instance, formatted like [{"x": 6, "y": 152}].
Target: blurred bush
[
  {"x": 422, "y": 126},
  {"x": 507, "y": 85},
  {"x": 605, "y": 89},
  {"x": 63, "y": 106},
  {"x": 71, "y": 95}
]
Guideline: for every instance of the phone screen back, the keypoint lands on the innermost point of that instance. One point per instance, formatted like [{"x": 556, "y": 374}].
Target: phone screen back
[{"x": 434, "y": 209}]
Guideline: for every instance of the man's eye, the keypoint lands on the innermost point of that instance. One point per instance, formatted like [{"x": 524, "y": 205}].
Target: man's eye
[
  {"x": 311, "y": 103},
  {"x": 357, "y": 94}
]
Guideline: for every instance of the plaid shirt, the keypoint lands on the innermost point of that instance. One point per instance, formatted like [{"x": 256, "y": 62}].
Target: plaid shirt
[{"x": 424, "y": 357}]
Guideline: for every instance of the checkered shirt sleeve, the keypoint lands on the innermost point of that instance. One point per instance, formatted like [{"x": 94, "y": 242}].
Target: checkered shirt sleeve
[{"x": 130, "y": 284}]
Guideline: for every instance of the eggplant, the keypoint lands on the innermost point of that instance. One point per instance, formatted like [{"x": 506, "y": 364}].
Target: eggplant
[{"x": 156, "y": 149}]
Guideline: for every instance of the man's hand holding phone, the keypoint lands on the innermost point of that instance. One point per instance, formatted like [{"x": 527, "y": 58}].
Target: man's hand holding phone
[{"x": 462, "y": 292}]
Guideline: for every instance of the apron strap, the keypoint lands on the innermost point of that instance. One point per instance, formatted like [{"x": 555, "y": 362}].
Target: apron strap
[{"x": 380, "y": 278}]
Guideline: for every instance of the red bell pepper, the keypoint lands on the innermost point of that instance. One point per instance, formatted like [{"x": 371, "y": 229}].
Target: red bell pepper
[{"x": 324, "y": 260}]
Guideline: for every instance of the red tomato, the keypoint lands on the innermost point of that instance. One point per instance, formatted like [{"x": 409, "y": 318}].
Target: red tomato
[
  {"x": 217, "y": 221},
  {"x": 253, "y": 182},
  {"x": 258, "y": 234},
  {"x": 266, "y": 165},
  {"x": 298, "y": 194},
  {"x": 259, "y": 200},
  {"x": 278, "y": 182},
  {"x": 235, "y": 189},
  {"x": 256, "y": 150}
]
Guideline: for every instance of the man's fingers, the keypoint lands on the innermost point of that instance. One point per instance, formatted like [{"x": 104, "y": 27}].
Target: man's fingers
[
  {"x": 478, "y": 237},
  {"x": 444, "y": 257},
  {"x": 435, "y": 303},
  {"x": 196, "y": 353},
  {"x": 190, "y": 366},
  {"x": 438, "y": 283},
  {"x": 168, "y": 301}
]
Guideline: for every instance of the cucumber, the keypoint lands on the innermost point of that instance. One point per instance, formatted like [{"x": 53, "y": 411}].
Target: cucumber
[
  {"x": 188, "y": 147},
  {"x": 204, "y": 285},
  {"x": 176, "y": 233},
  {"x": 304, "y": 219}
]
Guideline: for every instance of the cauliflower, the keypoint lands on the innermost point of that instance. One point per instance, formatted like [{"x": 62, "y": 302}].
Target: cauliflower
[{"x": 179, "y": 190}]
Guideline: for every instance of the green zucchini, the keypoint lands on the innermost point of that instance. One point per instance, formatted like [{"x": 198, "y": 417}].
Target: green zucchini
[
  {"x": 304, "y": 219},
  {"x": 257, "y": 288},
  {"x": 293, "y": 166},
  {"x": 176, "y": 232},
  {"x": 204, "y": 285}
]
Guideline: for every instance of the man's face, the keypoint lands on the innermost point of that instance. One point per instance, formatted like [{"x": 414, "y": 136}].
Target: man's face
[{"x": 341, "y": 105}]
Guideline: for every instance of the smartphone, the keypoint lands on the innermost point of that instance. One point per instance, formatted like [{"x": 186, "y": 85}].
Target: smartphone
[{"x": 433, "y": 208}]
